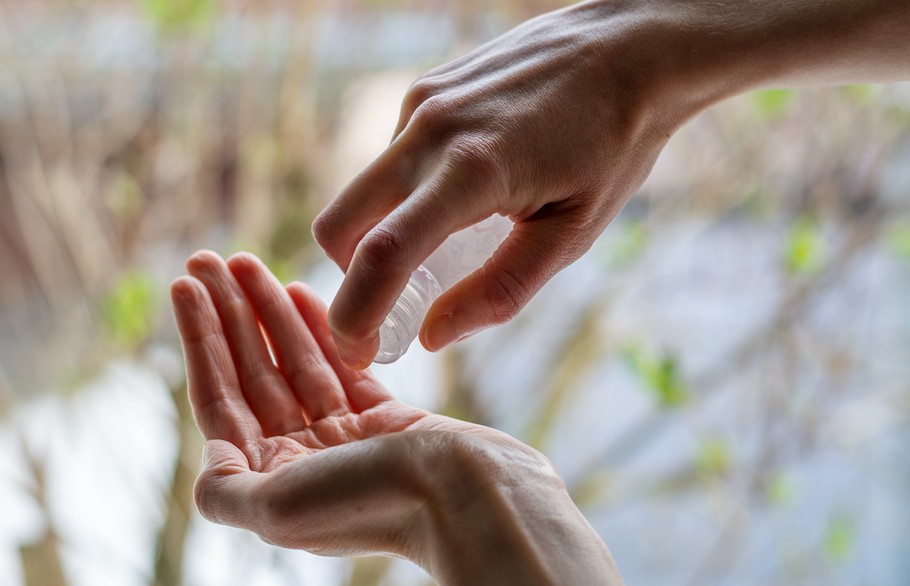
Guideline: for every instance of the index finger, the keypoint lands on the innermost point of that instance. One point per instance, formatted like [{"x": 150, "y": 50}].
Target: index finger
[
  {"x": 219, "y": 408},
  {"x": 370, "y": 197},
  {"x": 386, "y": 257}
]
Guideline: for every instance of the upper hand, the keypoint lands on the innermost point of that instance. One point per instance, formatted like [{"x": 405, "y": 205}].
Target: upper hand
[
  {"x": 550, "y": 124},
  {"x": 556, "y": 124}
]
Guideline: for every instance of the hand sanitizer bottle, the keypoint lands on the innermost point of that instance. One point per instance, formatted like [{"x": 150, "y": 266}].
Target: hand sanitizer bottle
[{"x": 460, "y": 255}]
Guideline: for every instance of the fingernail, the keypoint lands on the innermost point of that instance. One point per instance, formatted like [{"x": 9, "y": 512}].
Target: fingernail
[
  {"x": 350, "y": 362},
  {"x": 440, "y": 333}
]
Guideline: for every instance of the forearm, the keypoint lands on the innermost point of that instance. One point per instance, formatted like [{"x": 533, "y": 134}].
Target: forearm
[
  {"x": 720, "y": 49},
  {"x": 679, "y": 57}
]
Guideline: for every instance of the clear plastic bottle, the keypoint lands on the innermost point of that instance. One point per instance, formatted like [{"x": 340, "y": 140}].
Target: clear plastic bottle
[{"x": 460, "y": 255}]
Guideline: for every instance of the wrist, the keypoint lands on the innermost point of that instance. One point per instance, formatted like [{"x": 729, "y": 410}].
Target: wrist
[
  {"x": 497, "y": 513},
  {"x": 644, "y": 56}
]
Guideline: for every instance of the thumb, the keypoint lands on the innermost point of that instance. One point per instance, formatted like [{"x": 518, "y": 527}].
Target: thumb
[
  {"x": 530, "y": 256},
  {"x": 221, "y": 491}
]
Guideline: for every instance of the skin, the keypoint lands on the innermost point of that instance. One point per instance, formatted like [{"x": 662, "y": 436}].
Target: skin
[
  {"x": 556, "y": 124},
  {"x": 311, "y": 455}
]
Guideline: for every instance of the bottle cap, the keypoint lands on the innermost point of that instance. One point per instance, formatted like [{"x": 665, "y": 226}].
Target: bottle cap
[{"x": 402, "y": 325}]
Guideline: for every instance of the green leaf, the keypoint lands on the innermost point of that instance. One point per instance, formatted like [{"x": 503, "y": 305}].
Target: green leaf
[
  {"x": 660, "y": 375},
  {"x": 124, "y": 196},
  {"x": 128, "y": 309},
  {"x": 297, "y": 209},
  {"x": 282, "y": 269},
  {"x": 781, "y": 491},
  {"x": 713, "y": 456},
  {"x": 772, "y": 104},
  {"x": 593, "y": 490},
  {"x": 839, "y": 539},
  {"x": 804, "y": 247},
  {"x": 760, "y": 203},
  {"x": 177, "y": 16},
  {"x": 630, "y": 244},
  {"x": 862, "y": 95},
  {"x": 897, "y": 239},
  {"x": 578, "y": 353}
]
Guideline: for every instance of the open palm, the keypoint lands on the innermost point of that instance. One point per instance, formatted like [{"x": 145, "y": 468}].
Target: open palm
[{"x": 269, "y": 425}]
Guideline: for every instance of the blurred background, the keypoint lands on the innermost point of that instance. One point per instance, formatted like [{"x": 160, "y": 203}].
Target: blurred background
[{"x": 723, "y": 380}]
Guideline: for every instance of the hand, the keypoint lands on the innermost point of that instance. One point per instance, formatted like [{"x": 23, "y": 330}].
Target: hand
[
  {"x": 311, "y": 455},
  {"x": 546, "y": 124},
  {"x": 556, "y": 124}
]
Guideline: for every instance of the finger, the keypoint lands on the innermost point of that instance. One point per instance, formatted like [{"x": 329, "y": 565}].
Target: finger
[
  {"x": 362, "y": 389},
  {"x": 533, "y": 252},
  {"x": 425, "y": 87},
  {"x": 438, "y": 81},
  {"x": 436, "y": 142},
  {"x": 264, "y": 388},
  {"x": 389, "y": 253},
  {"x": 226, "y": 487},
  {"x": 370, "y": 197},
  {"x": 299, "y": 358},
  {"x": 214, "y": 389}
]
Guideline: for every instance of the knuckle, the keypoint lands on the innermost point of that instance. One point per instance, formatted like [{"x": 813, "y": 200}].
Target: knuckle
[
  {"x": 322, "y": 230},
  {"x": 212, "y": 408},
  {"x": 257, "y": 377},
  {"x": 473, "y": 153},
  {"x": 506, "y": 295},
  {"x": 420, "y": 91},
  {"x": 270, "y": 303},
  {"x": 472, "y": 164},
  {"x": 304, "y": 370},
  {"x": 333, "y": 237},
  {"x": 469, "y": 151},
  {"x": 435, "y": 116},
  {"x": 381, "y": 251},
  {"x": 231, "y": 306}
]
